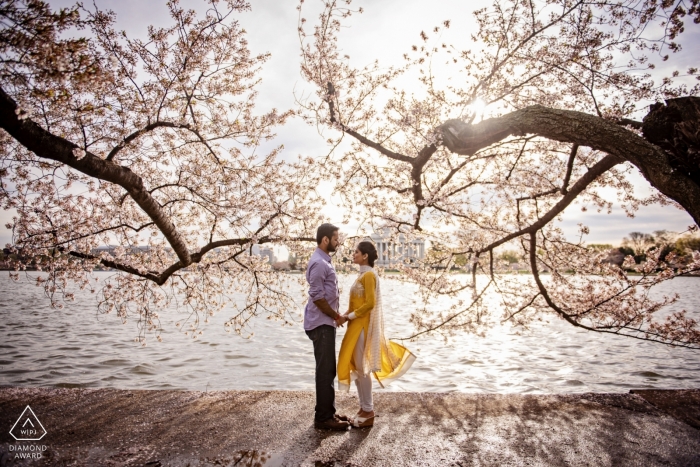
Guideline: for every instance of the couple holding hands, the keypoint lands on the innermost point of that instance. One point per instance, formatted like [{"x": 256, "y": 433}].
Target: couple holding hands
[{"x": 364, "y": 351}]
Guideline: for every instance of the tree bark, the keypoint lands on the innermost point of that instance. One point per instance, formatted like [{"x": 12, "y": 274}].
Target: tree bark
[
  {"x": 654, "y": 162},
  {"x": 675, "y": 127}
]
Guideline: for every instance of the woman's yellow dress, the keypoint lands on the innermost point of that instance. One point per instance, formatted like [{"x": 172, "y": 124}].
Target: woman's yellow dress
[{"x": 362, "y": 301}]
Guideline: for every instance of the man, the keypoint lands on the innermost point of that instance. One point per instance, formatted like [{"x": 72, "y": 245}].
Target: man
[{"x": 321, "y": 318}]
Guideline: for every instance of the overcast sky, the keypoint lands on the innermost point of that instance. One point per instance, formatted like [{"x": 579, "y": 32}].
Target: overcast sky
[{"x": 385, "y": 31}]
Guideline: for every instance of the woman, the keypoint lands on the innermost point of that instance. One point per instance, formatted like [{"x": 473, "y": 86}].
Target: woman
[{"x": 365, "y": 351}]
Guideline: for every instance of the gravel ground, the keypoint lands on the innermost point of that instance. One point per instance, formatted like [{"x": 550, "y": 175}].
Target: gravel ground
[{"x": 107, "y": 427}]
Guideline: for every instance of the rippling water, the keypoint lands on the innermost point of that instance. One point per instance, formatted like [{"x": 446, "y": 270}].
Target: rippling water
[{"x": 75, "y": 347}]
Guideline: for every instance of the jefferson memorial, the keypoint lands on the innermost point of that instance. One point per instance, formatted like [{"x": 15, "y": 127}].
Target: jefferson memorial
[{"x": 397, "y": 251}]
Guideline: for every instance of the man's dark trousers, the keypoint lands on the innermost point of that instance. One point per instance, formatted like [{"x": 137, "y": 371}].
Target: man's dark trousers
[{"x": 323, "y": 338}]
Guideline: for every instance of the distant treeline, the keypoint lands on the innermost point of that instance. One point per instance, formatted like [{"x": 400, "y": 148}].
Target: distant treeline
[{"x": 638, "y": 244}]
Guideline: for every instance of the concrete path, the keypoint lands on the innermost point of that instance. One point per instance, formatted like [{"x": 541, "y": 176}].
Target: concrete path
[{"x": 104, "y": 427}]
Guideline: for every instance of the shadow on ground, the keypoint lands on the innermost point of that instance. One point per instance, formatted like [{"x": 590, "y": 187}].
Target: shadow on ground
[{"x": 179, "y": 428}]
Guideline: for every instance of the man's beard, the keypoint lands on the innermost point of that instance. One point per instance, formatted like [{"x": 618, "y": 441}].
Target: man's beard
[{"x": 331, "y": 248}]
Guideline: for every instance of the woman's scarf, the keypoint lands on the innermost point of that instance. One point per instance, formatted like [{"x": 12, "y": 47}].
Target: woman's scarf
[{"x": 376, "y": 344}]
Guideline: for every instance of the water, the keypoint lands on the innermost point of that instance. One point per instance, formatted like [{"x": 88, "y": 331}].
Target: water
[{"x": 76, "y": 347}]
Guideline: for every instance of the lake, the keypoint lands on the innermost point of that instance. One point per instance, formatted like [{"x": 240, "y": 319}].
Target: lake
[{"x": 76, "y": 347}]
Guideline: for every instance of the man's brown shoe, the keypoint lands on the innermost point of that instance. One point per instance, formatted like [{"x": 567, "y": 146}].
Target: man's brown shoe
[
  {"x": 332, "y": 424},
  {"x": 342, "y": 418}
]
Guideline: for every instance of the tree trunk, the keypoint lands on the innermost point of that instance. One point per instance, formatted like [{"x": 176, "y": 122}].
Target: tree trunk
[{"x": 675, "y": 127}]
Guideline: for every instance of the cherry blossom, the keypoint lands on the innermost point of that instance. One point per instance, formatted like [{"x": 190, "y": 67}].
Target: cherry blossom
[
  {"x": 151, "y": 146},
  {"x": 487, "y": 150}
]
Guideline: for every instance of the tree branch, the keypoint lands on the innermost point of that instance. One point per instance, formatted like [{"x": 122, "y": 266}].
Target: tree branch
[
  {"x": 161, "y": 278},
  {"x": 654, "y": 337},
  {"x": 115, "y": 265},
  {"x": 49, "y": 146},
  {"x": 359, "y": 137},
  {"x": 140, "y": 132},
  {"x": 569, "y": 169},
  {"x": 602, "y": 166},
  {"x": 584, "y": 130}
]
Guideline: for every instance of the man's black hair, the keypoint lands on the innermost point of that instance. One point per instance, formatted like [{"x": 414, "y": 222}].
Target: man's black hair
[{"x": 325, "y": 230}]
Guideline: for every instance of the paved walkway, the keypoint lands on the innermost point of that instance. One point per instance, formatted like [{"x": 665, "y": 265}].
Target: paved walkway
[{"x": 105, "y": 427}]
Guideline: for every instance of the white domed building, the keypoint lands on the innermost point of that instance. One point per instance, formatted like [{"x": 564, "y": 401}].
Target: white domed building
[{"x": 399, "y": 250}]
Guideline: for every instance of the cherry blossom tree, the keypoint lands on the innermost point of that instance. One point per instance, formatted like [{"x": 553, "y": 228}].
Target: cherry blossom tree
[
  {"x": 153, "y": 146},
  {"x": 564, "y": 84}
]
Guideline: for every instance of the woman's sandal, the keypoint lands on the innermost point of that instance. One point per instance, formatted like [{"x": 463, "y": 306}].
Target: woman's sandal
[{"x": 362, "y": 422}]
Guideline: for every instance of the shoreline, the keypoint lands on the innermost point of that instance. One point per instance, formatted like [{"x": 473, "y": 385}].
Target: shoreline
[
  {"x": 273, "y": 428},
  {"x": 296, "y": 272}
]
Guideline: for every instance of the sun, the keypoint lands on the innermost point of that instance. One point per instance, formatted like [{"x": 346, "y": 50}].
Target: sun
[{"x": 477, "y": 106}]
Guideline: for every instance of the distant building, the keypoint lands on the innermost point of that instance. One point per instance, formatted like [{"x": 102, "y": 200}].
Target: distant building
[
  {"x": 111, "y": 249},
  {"x": 265, "y": 252},
  {"x": 400, "y": 251},
  {"x": 269, "y": 254}
]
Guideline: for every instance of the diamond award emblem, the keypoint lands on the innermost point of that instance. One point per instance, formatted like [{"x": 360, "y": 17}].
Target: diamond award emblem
[{"x": 28, "y": 427}]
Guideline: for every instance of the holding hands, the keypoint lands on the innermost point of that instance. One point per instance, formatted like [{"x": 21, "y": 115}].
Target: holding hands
[{"x": 341, "y": 319}]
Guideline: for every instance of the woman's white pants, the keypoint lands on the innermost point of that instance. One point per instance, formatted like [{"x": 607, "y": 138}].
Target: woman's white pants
[{"x": 363, "y": 382}]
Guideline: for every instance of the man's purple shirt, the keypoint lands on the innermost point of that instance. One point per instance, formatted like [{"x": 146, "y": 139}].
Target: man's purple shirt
[{"x": 323, "y": 283}]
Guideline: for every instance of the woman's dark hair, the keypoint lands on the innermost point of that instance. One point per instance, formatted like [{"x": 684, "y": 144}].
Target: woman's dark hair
[
  {"x": 325, "y": 230},
  {"x": 368, "y": 248}
]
